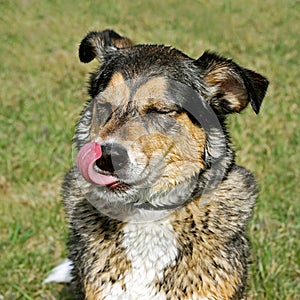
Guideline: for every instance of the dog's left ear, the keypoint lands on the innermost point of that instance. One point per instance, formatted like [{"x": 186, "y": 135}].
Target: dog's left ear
[
  {"x": 230, "y": 87},
  {"x": 97, "y": 44}
]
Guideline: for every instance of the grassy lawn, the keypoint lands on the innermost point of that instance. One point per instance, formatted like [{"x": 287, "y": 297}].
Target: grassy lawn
[{"x": 43, "y": 90}]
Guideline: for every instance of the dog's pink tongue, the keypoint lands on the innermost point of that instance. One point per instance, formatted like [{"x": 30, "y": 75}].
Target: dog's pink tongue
[{"x": 86, "y": 158}]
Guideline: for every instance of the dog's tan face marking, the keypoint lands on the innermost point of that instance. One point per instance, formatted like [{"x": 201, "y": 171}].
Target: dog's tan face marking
[
  {"x": 185, "y": 158},
  {"x": 115, "y": 97},
  {"x": 117, "y": 80},
  {"x": 117, "y": 92},
  {"x": 152, "y": 93},
  {"x": 122, "y": 96},
  {"x": 181, "y": 154}
]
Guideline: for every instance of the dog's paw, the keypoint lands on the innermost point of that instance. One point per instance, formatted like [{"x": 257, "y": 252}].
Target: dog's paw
[{"x": 61, "y": 273}]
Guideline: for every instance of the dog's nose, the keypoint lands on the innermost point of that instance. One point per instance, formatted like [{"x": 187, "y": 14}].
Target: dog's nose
[{"x": 114, "y": 158}]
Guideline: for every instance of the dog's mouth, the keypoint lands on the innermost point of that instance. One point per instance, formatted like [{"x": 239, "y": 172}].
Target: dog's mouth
[
  {"x": 87, "y": 165},
  {"x": 112, "y": 183},
  {"x": 118, "y": 187}
]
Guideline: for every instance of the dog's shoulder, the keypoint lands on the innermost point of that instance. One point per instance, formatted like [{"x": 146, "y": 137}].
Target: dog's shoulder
[
  {"x": 235, "y": 194},
  {"x": 240, "y": 181},
  {"x": 222, "y": 212}
]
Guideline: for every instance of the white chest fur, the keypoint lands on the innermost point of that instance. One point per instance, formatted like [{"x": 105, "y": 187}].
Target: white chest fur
[{"x": 150, "y": 248}]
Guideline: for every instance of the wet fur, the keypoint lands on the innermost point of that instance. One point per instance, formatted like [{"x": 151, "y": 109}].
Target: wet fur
[{"x": 199, "y": 250}]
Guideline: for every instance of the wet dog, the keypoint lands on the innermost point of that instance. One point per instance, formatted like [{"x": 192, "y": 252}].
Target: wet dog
[{"x": 158, "y": 209}]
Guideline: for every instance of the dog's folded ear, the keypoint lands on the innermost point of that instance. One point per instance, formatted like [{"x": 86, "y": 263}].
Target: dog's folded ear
[
  {"x": 230, "y": 87},
  {"x": 97, "y": 44}
]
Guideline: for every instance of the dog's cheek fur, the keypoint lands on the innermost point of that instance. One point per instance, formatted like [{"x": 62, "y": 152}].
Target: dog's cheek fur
[{"x": 181, "y": 154}]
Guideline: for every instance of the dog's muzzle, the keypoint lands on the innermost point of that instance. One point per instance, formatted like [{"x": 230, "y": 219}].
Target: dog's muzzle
[{"x": 98, "y": 164}]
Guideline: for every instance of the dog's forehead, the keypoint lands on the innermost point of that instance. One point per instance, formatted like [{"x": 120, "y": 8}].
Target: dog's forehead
[{"x": 139, "y": 91}]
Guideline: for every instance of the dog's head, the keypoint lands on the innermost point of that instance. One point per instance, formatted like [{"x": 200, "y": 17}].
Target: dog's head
[{"x": 157, "y": 116}]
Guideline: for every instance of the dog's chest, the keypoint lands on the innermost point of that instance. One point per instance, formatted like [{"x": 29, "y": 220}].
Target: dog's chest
[{"x": 150, "y": 248}]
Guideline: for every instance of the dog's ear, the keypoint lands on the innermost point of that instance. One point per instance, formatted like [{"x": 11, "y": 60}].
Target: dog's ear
[
  {"x": 231, "y": 87},
  {"x": 97, "y": 44}
]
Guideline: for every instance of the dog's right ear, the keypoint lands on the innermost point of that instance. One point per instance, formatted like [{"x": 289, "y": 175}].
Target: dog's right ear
[{"x": 97, "y": 44}]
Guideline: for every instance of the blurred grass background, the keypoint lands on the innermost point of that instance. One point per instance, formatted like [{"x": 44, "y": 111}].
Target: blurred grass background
[{"x": 43, "y": 88}]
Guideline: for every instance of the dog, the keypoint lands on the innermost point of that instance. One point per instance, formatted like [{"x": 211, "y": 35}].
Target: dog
[{"x": 158, "y": 208}]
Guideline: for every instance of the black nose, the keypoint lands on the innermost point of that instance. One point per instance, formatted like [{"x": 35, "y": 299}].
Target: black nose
[{"x": 114, "y": 158}]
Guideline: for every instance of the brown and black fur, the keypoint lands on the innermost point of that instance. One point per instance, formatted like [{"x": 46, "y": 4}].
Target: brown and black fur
[{"x": 209, "y": 226}]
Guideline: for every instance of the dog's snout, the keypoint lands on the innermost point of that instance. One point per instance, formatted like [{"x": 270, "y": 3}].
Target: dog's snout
[{"x": 114, "y": 158}]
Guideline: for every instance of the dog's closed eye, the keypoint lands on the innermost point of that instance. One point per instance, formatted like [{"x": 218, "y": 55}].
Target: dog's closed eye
[{"x": 162, "y": 111}]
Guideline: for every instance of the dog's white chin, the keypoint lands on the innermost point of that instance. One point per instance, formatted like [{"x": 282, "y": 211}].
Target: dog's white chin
[
  {"x": 140, "y": 205},
  {"x": 61, "y": 273}
]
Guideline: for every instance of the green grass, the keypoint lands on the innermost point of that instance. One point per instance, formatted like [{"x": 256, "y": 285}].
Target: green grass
[{"x": 43, "y": 90}]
